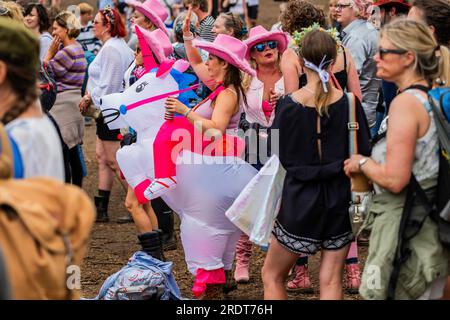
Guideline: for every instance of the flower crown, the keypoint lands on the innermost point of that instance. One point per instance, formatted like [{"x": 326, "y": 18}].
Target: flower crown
[
  {"x": 298, "y": 37},
  {"x": 108, "y": 12}
]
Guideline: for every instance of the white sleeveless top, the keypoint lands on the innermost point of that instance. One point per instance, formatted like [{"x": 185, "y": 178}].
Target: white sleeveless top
[{"x": 426, "y": 155}]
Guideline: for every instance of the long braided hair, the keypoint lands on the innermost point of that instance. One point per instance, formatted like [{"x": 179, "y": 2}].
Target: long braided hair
[{"x": 24, "y": 85}]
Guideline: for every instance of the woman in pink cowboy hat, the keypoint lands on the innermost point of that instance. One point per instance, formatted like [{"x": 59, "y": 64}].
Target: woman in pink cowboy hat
[
  {"x": 213, "y": 116},
  {"x": 229, "y": 24},
  {"x": 149, "y": 15},
  {"x": 264, "y": 50},
  {"x": 149, "y": 225},
  {"x": 218, "y": 113}
]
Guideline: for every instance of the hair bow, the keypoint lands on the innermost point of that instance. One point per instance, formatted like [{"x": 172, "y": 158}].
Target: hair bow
[{"x": 323, "y": 74}]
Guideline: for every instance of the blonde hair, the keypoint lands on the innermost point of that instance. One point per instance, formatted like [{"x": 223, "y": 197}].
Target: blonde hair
[
  {"x": 69, "y": 21},
  {"x": 432, "y": 60},
  {"x": 85, "y": 8},
  {"x": 15, "y": 10},
  {"x": 248, "y": 78}
]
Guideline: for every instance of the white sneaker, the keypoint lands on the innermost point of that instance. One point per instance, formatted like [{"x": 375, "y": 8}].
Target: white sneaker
[{"x": 159, "y": 186}]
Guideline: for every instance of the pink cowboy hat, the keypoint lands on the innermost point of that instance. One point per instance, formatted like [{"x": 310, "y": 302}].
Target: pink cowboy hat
[
  {"x": 228, "y": 48},
  {"x": 153, "y": 10},
  {"x": 259, "y": 34},
  {"x": 158, "y": 42}
]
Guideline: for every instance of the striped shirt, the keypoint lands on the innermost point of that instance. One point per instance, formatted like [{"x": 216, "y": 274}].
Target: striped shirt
[
  {"x": 206, "y": 26},
  {"x": 87, "y": 39},
  {"x": 69, "y": 66}
]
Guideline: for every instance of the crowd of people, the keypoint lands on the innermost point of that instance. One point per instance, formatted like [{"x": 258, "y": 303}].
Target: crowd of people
[{"x": 301, "y": 78}]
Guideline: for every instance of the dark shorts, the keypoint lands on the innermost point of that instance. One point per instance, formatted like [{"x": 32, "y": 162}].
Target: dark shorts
[
  {"x": 252, "y": 12},
  {"x": 104, "y": 133}
]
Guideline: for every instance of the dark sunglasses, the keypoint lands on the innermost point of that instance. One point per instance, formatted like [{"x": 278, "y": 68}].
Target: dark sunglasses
[
  {"x": 260, "y": 47},
  {"x": 382, "y": 52}
]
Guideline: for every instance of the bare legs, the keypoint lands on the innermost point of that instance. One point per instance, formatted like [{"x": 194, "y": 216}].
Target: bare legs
[
  {"x": 279, "y": 261},
  {"x": 143, "y": 215},
  {"x": 107, "y": 164},
  {"x": 330, "y": 274},
  {"x": 275, "y": 271}
]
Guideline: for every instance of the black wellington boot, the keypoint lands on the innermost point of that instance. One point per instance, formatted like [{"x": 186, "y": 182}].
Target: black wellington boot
[
  {"x": 166, "y": 221},
  {"x": 151, "y": 244},
  {"x": 101, "y": 203}
]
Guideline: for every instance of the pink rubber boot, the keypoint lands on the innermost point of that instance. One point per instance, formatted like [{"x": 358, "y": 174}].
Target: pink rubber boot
[
  {"x": 353, "y": 279},
  {"x": 301, "y": 282},
  {"x": 243, "y": 254}
]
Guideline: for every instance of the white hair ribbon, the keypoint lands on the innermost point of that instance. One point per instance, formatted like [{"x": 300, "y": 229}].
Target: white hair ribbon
[{"x": 323, "y": 74}]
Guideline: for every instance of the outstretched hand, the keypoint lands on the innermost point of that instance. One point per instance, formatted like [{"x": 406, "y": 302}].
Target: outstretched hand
[{"x": 187, "y": 22}]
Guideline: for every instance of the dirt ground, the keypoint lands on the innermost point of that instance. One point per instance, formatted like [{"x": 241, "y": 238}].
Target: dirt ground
[{"x": 113, "y": 244}]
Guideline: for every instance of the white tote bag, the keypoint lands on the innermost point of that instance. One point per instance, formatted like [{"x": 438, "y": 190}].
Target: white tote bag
[{"x": 255, "y": 209}]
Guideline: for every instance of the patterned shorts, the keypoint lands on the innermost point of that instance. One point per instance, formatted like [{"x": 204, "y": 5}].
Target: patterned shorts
[{"x": 298, "y": 244}]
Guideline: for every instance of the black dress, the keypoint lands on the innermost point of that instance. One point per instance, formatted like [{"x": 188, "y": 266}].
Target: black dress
[{"x": 316, "y": 193}]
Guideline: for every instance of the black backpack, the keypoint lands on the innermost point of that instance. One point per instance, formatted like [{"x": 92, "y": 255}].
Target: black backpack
[{"x": 47, "y": 84}]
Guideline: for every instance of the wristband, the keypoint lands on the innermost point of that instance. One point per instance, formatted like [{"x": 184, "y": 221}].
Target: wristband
[
  {"x": 188, "y": 38},
  {"x": 187, "y": 113}
]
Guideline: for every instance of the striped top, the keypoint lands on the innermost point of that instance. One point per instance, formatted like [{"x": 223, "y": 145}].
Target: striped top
[
  {"x": 87, "y": 39},
  {"x": 206, "y": 26},
  {"x": 69, "y": 66}
]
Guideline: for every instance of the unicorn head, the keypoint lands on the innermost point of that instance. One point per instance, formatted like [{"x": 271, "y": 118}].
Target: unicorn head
[{"x": 141, "y": 106}]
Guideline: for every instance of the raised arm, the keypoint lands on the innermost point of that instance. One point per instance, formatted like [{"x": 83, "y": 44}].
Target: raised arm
[
  {"x": 290, "y": 68},
  {"x": 193, "y": 54}
]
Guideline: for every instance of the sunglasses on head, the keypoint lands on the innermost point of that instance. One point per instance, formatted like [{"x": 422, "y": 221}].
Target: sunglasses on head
[
  {"x": 382, "y": 52},
  {"x": 260, "y": 47}
]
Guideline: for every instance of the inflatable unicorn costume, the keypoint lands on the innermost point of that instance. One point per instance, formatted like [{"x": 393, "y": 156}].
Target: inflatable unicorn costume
[{"x": 207, "y": 184}]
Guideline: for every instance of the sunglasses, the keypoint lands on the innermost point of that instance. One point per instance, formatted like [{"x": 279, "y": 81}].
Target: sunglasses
[
  {"x": 342, "y": 6},
  {"x": 260, "y": 47},
  {"x": 382, "y": 52}
]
